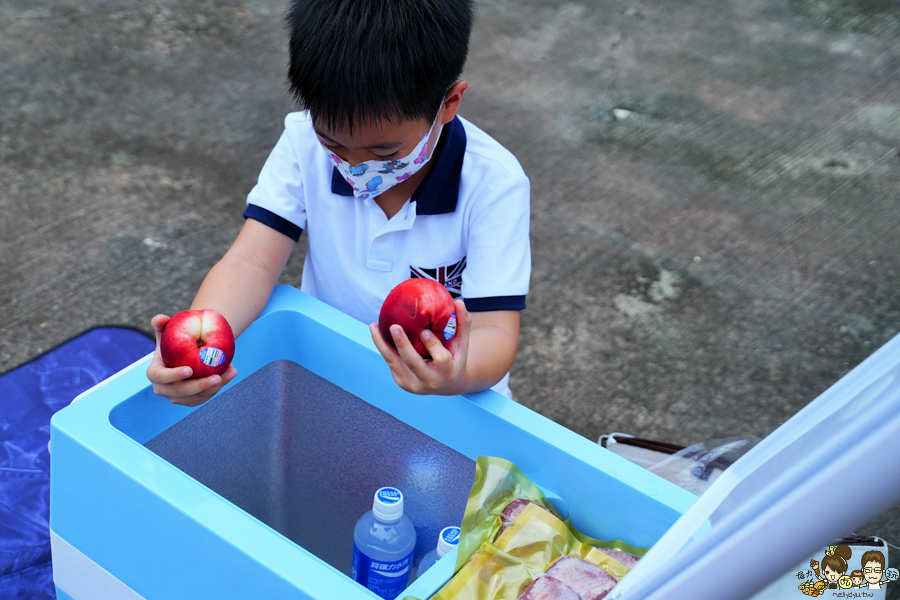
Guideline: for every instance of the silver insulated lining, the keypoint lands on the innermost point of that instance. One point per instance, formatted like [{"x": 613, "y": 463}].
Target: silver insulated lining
[{"x": 305, "y": 457}]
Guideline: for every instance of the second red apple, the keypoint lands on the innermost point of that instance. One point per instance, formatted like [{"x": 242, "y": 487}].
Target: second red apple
[
  {"x": 199, "y": 339},
  {"x": 416, "y": 305}
]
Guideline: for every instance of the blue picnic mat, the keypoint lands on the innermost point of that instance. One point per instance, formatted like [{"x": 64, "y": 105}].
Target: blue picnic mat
[{"x": 29, "y": 395}]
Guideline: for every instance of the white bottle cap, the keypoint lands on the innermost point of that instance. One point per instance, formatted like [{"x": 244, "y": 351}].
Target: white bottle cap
[
  {"x": 447, "y": 541},
  {"x": 388, "y": 505}
]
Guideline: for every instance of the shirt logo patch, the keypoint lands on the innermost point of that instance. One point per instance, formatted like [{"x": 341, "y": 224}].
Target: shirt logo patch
[{"x": 449, "y": 276}]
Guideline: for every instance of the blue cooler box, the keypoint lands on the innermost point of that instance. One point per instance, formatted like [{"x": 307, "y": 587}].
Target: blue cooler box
[{"x": 255, "y": 493}]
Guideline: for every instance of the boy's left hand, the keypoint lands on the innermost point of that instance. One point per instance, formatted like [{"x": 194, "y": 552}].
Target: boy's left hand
[{"x": 444, "y": 374}]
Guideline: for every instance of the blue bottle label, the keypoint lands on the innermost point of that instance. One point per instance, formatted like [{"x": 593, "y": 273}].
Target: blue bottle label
[{"x": 387, "y": 579}]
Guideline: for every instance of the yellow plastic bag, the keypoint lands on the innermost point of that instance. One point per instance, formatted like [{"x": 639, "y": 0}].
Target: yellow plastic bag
[
  {"x": 502, "y": 571},
  {"x": 499, "y": 566},
  {"x": 495, "y": 565},
  {"x": 497, "y": 483},
  {"x": 538, "y": 539},
  {"x": 608, "y": 544},
  {"x": 492, "y": 574}
]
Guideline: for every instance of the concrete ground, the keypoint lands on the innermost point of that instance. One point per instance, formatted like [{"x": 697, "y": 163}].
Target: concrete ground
[{"x": 715, "y": 188}]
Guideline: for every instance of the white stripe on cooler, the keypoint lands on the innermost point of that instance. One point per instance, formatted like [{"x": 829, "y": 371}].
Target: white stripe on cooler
[{"x": 82, "y": 578}]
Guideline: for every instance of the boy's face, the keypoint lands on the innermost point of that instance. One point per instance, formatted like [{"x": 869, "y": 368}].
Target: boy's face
[
  {"x": 390, "y": 141},
  {"x": 857, "y": 580},
  {"x": 872, "y": 571},
  {"x": 385, "y": 141}
]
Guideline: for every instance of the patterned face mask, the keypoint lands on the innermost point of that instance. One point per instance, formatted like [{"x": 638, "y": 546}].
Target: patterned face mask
[{"x": 372, "y": 177}]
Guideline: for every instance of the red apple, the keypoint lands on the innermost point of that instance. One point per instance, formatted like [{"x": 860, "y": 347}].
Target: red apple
[
  {"x": 199, "y": 339},
  {"x": 416, "y": 305}
]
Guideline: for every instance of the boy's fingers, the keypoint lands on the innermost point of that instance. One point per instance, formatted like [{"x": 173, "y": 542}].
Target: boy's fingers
[
  {"x": 379, "y": 341},
  {"x": 158, "y": 372},
  {"x": 389, "y": 354},
  {"x": 192, "y": 387},
  {"x": 230, "y": 374},
  {"x": 186, "y": 395},
  {"x": 411, "y": 358},
  {"x": 158, "y": 323},
  {"x": 435, "y": 348},
  {"x": 195, "y": 400},
  {"x": 397, "y": 379},
  {"x": 161, "y": 374},
  {"x": 463, "y": 329},
  {"x": 463, "y": 320}
]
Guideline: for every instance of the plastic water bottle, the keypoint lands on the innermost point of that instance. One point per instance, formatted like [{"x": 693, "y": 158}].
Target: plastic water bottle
[
  {"x": 447, "y": 541},
  {"x": 383, "y": 544}
]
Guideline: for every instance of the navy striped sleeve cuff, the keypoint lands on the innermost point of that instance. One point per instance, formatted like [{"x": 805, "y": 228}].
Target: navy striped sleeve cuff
[
  {"x": 276, "y": 222},
  {"x": 495, "y": 303}
]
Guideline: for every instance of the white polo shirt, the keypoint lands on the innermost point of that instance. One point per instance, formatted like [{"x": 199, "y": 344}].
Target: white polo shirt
[{"x": 466, "y": 225}]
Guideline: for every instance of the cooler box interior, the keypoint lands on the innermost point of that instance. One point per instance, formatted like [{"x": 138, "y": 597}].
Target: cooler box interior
[{"x": 256, "y": 492}]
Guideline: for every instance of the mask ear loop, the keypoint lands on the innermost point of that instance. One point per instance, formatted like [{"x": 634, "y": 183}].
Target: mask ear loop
[{"x": 434, "y": 122}]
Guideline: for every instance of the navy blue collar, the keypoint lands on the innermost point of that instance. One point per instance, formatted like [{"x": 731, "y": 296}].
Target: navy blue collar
[{"x": 439, "y": 191}]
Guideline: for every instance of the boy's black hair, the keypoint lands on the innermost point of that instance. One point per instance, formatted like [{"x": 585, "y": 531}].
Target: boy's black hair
[{"x": 356, "y": 62}]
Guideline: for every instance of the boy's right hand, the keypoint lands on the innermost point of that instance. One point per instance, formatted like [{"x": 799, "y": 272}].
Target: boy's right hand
[{"x": 174, "y": 384}]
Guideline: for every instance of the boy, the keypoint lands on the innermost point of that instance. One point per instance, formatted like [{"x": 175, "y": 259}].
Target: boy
[{"x": 389, "y": 183}]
